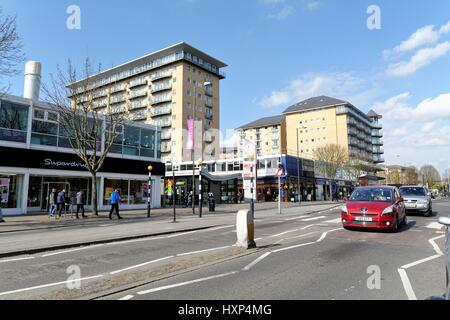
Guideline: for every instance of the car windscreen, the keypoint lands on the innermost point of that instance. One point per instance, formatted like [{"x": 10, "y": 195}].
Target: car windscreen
[
  {"x": 412, "y": 191},
  {"x": 372, "y": 194}
]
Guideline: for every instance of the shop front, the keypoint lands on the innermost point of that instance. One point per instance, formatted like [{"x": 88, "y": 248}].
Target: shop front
[{"x": 27, "y": 177}]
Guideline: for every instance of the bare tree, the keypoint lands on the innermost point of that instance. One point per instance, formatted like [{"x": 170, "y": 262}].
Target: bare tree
[
  {"x": 411, "y": 175},
  {"x": 429, "y": 175},
  {"x": 330, "y": 158},
  {"x": 86, "y": 126},
  {"x": 10, "y": 48},
  {"x": 359, "y": 166}
]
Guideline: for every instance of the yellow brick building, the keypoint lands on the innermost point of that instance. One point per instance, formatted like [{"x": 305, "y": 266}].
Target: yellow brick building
[{"x": 167, "y": 88}]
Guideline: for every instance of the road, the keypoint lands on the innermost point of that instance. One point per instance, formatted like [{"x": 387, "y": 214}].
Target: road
[{"x": 299, "y": 256}]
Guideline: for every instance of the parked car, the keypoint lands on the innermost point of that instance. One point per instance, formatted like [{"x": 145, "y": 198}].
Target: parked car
[
  {"x": 417, "y": 199},
  {"x": 375, "y": 207}
]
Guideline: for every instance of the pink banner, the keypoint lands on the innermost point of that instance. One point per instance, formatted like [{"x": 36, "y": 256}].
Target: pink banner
[{"x": 190, "y": 142}]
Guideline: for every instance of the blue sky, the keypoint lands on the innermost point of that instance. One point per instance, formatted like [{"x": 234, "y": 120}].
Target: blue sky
[{"x": 279, "y": 52}]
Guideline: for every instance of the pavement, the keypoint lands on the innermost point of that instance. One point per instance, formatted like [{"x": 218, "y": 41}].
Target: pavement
[{"x": 37, "y": 233}]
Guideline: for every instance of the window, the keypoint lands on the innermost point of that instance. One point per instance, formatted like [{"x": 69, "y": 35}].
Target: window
[
  {"x": 13, "y": 121},
  {"x": 44, "y": 133}
]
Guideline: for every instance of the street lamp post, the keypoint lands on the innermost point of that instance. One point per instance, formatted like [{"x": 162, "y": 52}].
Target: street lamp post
[
  {"x": 298, "y": 166},
  {"x": 200, "y": 204},
  {"x": 149, "y": 191},
  {"x": 174, "y": 190}
]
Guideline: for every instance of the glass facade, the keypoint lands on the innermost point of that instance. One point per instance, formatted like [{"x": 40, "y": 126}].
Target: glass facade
[
  {"x": 13, "y": 121},
  {"x": 10, "y": 186},
  {"x": 131, "y": 192},
  {"x": 136, "y": 141}
]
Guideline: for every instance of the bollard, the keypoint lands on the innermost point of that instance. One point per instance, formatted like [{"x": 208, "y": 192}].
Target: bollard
[{"x": 245, "y": 230}]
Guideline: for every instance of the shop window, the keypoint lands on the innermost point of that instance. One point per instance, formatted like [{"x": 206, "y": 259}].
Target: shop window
[
  {"x": 137, "y": 192},
  {"x": 111, "y": 185},
  {"x": 10, "y": 191},
  {"x": 13, "y": 122}
]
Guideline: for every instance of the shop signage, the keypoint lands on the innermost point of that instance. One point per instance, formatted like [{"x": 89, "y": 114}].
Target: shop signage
[
  {"x": 4, "y": 190},
  {"x": 39, "y": 159}
]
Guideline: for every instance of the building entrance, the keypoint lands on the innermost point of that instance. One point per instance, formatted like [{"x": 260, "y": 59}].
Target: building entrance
[{"x": 47, "y": 188}]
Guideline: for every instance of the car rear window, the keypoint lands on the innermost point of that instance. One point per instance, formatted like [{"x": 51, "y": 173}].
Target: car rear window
[
  {"x": 412, "y": 191},
  {"x": 372, "y": 194}
]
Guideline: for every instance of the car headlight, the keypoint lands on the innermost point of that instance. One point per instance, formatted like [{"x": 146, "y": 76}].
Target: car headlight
[
  {"x": 344, "y": 209},
  {"x": 389, "y": 210}
]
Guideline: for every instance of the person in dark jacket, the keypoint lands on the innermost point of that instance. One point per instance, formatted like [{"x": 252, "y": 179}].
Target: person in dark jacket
[
  {"x": 80, "y": 204},
  {"x": 61, "y": 201},
  {"x": 115, "y": 199},
  {"x": 1, "y": 215}
]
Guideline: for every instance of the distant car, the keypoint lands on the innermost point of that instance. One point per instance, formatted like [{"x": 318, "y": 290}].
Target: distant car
[
  {"x": 375, "y": 207},
  {"x": 417, "y": 199}
]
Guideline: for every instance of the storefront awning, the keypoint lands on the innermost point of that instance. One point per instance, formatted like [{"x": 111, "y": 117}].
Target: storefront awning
[{"x": 219, "y": 178}]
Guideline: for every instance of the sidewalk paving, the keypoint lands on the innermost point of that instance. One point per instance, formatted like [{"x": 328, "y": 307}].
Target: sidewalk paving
[
  {"x": 34, "y": 234},
  {"x": 42, "y": 221}
]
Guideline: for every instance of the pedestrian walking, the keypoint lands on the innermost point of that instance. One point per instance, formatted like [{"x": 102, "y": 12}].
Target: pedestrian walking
[
  {"x": 239, "y": 195},
  {"x": 52, "y": 201},
  {"x": 61, "y": 202},
  {"x": 115, "y": 199},
  {"x": 80, "y": 204},
  {"x": 1, "y": 216}
]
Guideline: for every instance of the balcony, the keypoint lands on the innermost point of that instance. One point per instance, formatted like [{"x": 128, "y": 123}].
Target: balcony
[
  {"x": 138, "y": 82},
  {"x": 138, "y": 105},
  {"x": 117, "y": 99},
  {"x": 353, "y": 142},
  {"x": 166, "y": 147},
  {"x": 100, "y": 94},
  {"x": 377, "y": 133},
  {"x": 121, "y": 108},
  {"x": 138, "y": 93},
  {"x": 377, "y": 150},
  {"x": 377, "y": 142},
  {"x": 118, "y": 88},
  {"x": 208, "y": 93},
  {"x": 377, "y": 126},
  {"x": 141, "y": 115},
  {"x": 208, "y": 103},
  {"x": 208, "y": 137},
  {"x": 209, "y": 116},
  {"x": 100, "y": 103},
  {"x": 160, "y": 75},
  {"x": 159, "y": 88},
  {"x": 352, "y": 132},
  {"x": 155, "y": 112},
  {"x": 161, "y": 99},
  {"x": 166, "y": 135},
  {"x": 378, "y": 159}
]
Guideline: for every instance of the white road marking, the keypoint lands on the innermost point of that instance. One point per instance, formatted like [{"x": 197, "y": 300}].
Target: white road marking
[
  {"x": 251, "y": 265},
  {"x": 293, "y": 247},
  {"x": 181, "y": 234},
  {"x": 283, "y": 233},
  {"x": 301, "y": 236},
  {"x": 128, "y": 297},
  {"x": 219, "y": 228},
  {"x": 258, "y": 239},
  {"x": 200, "y": 251},
  {"x": 435, "y": 246},
  {"x": 407, "y": 285},
  {"x": 415, "y": 263},
  {"x": 71, "y": 250},
  {"x": 141, "y": 265},
  {"x": 338, "y": 220},
  {"x": 434, "y": 225},
  {"x": 313, "y": 219},
  {"x": 324, "y": 235},
  {"x": 295, "y": 218},
  {"x": 48, "y": 285},
  {"x": 16, "y": 259},
  {"x": 187, "y": 283},
  {"x": 307, "y": 227},
  {"x": 135, "y": 240}
]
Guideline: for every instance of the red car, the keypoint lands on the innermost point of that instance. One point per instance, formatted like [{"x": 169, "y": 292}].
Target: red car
[{"x": 377, "y": 207}]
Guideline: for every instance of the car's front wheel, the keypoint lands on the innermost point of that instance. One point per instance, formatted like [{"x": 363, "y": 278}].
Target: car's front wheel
[
  {"x": 395, "y": 225},
  {"x": 429, "y": 213}
]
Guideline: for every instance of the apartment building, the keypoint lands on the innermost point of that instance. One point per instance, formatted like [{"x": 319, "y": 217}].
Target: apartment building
[
  {"x": 166, "y": 89},
  {"x": 318, "y": 121},
  {"x": 268, "y": 134}
]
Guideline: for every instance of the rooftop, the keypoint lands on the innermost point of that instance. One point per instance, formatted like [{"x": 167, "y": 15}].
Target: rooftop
[
  {"x": 263, "y": 122},
  {"x": 182, "y": 46},
  {"x": 315, "y": 103}
]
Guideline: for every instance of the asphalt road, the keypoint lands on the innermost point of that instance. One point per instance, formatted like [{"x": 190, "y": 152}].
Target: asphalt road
[{"x": 300, "y": 256}]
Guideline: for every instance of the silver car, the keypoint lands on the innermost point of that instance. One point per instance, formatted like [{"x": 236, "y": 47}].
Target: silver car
[{"x": 417, "y": 199}]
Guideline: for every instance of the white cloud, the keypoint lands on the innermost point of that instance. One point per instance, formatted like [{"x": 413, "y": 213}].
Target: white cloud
[
  {"x": 313, "y": 5},
  {"x": 419, "y": 133},
  {"x": 283, "y": 13},
  {"x": 422, "y": 58},
  {"x": 423, "y": 36},
  {"x": 339, "y": 85}
]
